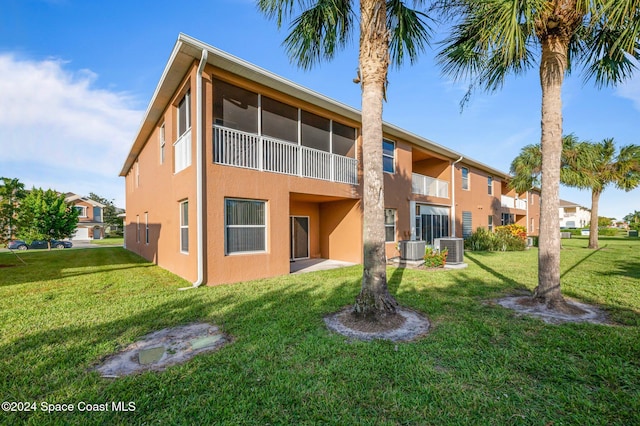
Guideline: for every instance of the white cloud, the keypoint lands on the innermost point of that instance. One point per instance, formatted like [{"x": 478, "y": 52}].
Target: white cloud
[
  {"x": 631, "y": 88},
  {"x": 53, "y": 117}
]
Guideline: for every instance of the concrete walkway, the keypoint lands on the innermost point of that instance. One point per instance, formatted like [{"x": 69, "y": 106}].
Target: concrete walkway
[{"x": 310, "y": 265}]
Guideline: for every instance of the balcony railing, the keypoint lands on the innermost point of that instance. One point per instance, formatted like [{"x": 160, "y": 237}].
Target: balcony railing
[
  {"x": 251, "y": 151},
  {"x": 425, "y": 185},
  {"x": 513, "y": 203}
]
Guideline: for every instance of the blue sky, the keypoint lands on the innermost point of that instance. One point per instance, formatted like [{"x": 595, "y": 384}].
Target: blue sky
[{"x": 77, "y": 75}]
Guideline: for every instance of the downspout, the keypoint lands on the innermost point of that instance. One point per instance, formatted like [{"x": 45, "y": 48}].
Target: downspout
[
  {"x": 453, "y": 196},
  {"x": 199, "y": 175}
]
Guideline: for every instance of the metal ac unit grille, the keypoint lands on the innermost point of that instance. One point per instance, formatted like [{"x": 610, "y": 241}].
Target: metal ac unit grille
[
  {"x": 455, "y": 247},
  {"x": 412, "y": 250}
]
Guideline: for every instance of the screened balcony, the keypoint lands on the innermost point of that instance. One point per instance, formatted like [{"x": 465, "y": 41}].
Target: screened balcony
[
  {"x": 425, "y": 185},
  {"x": 251, "y": 151}
]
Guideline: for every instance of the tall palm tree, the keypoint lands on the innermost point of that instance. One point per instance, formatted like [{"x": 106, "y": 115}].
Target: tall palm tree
[
  {"x": 11, "y": 192},
  {"x": 584, "y": 165},
  {"x": 389, "y": 32},
  {"x": 599, "y": 166},
  {"x": 493, "y": 39}
]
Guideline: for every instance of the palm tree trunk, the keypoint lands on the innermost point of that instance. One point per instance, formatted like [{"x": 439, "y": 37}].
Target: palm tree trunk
[
  {"x": 552, "y": 68},
  {"x": 374, "y": 298},
  {"x": 593, "y": 227}
]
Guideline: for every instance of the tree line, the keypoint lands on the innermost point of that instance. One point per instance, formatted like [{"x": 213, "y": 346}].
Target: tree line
[{"x": 39, "y": 214}]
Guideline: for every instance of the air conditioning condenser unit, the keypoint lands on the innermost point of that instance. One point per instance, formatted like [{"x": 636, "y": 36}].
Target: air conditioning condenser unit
[
  {"x": 412, "y": 250},
  {"x": 455, "y": 247}
]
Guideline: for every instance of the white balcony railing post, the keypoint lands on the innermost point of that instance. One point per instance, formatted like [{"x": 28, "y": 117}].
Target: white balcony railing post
[
  {"x": 248, "y": 150},
  {"x": 425, "y": 185}
]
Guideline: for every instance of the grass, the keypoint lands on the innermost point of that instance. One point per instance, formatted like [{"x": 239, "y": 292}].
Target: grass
[
  {"x": 481, "y": 364},
  {"x": 109, "y": 241}
]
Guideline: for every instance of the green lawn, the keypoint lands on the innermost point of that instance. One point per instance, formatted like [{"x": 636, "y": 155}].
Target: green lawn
[
  {"x": 109, "y": 241},
  {"x": 481, "y": 364}
]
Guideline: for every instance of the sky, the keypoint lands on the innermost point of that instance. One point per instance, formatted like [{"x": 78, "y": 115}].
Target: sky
[{"x": 76, "y": 77}]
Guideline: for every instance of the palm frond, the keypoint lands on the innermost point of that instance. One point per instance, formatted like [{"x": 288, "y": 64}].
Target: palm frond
[
  {"x": 613, "y": 39},
  {"x": 276, "y": 9},
  {"x": 319, "y": 32},
  {"x": 409, "y": 29},
  {"x": 526, "y": 168},
  {"x": 493, "y": 39}
]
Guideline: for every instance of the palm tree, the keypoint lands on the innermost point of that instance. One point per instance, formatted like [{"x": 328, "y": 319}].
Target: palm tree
[
  {"x": 633, "y": 219},
  {"x": 584, "y": 165},
  {"x": 389, "y": 31},
  {"x": 600, "y": 166},
  {"x": 11, "y": 192},
  {"x": 495, "y": 38}
]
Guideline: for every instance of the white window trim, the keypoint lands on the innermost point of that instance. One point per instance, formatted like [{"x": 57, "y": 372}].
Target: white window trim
[
  {"x": 182, "y": 226},
  {"x": 393, "y": 157},
  {"x": 386, "y": 225},
  {"x": 467, "y": 179},
  {"x": 265, "y": 226},
  {"x": 163, "y": 141},
  {"x": 187, "y": 99},
  {"x": 146, "y": 228},
  {"x": 83, "y": 211}
]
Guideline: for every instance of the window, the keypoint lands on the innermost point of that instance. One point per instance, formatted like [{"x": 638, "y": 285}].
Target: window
[
  {"x": 234, "y": 107},
  {"x": 389, "y": 225},
  {"x": 184, "y": 226},
  {"x": 508, "y": 219},
  {"x": 465, "y": 178},
  {"x": 467, "y": 224},
  {"x": 82, "y": 211},
  {"x": 246, "y": 226},
  {"x": 146, "y": 228},
  {"x": 388, "y": 156},
  {"x": 182, "y": 146},
  {"x": 490, "y": 223},
  {"x": 532, "y": 230},
  {"x": 137, "y": 228},
  {"x": 162, "y": 143},
  {"x": 184, "y": 114},
  {"x": 137, "y": 174},
  {"x": 490, "y": 185}
]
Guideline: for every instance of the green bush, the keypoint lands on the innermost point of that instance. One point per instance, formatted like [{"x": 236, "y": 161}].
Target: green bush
[
  {"x": 505, "y": 238},
  {"x": 481, "y": 240},
  {"x": 608, "y": 232},
  {"x": 434, "y": 258}
]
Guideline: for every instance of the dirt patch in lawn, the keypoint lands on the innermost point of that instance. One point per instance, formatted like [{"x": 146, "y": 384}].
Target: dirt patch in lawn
[
  {"x": 406, "y": 325},
  {"x": 161, "y": 349},
  {"x": 575, "y": 312},
  {"x": 7, "y": 266}
]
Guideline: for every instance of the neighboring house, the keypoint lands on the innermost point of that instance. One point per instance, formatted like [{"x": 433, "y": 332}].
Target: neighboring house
[
  {"x": 90, "y": 219},
  {"x": 573, "y": 215},
  {"x": 236, "y": 171}
]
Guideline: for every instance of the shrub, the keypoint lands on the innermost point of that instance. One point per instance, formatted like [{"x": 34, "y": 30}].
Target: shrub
[
  {"x": 608, "y": 232},
  {"x": 481, "y": 240},
  {"x": 505, "y": 238},
  {"x": 434, "y": 258},
  {"x": 510, "y": 238}
]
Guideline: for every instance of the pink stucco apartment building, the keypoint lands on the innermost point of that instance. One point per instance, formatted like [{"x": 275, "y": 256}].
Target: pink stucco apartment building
[{"x": 235, "y": 172}]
